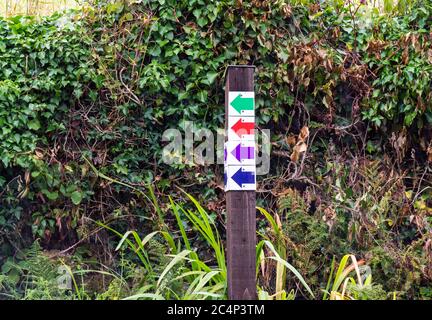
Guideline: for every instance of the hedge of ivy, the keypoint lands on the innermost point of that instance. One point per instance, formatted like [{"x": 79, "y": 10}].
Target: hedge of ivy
[{"x": 103, "y": 83}]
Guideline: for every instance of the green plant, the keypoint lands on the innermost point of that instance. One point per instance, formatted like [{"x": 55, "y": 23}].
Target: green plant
[
  {"x": 280, "y": 253},
  {"x": 185, "y": 266},
  {"x": 344, "y": 287},
  {"x": 44, "y": 70},
  {"x": 130, "y": 67},
  {"x": 35, "y": 276},
  {"x": 186, "y": 275},
  {"x": 86, "y": 95},
  {"x": 281, "y": 266}
]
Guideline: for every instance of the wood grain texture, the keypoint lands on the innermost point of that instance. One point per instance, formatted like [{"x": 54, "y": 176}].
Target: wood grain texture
[{"x": 241, "y": 212}]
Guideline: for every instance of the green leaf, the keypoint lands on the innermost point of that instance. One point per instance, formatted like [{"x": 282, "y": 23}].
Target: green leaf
[
  {"x": 202, "y": 21},
  {"x": 76, "y": 197},
  {"x": 34, "y": 124},
  {"x": 50, "y": 195},
  {"x": 115, "y": 7},
  {"x": 211, "y": 77}
]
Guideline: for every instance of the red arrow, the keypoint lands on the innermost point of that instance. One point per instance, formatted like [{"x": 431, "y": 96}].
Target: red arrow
[{"x": 241, "y": 127}]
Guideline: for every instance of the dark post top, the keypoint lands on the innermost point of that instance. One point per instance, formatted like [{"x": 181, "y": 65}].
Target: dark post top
[{"x": 238, "y": 78}]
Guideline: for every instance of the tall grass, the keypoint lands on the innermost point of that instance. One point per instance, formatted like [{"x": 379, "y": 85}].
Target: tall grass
[
  {"x": 207, "y": 279},
  {"x": 277, "y": 252},
  {"x": 188, "y": 275},
  {"x": 342, "y": 286},
  {"x": 185, "y": 270},
  {"x": 199, "y": 278},
  {"x": 10, "y": 8}
]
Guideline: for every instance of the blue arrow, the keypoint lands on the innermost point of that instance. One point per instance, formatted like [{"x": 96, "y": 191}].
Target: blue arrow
[{"x": 243, "y": 177}]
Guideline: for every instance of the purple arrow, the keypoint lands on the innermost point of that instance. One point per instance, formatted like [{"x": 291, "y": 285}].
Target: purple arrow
[{"x": 241, "y": 153}]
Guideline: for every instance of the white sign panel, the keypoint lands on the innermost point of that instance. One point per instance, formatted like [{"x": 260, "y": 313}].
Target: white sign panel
[
  {"x": 240, "y": 178},
  {"x": 241, "y": 128},
  {"x": 240, "y": 153},
  {"x": 241, "y": 103}
]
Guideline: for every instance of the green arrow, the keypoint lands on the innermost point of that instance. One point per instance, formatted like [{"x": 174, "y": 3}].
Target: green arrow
[{"x": 240, "y": 103}]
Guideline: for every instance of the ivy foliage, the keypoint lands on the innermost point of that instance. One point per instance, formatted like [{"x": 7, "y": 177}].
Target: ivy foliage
[
  {"x": 398, "y": 53},
  {"x": 103, "y": 83},
  {"x": 44, "y": 68}
]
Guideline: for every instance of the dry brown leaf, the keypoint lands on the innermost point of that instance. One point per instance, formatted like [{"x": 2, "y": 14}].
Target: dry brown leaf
[
  {"x": 298, "y": 149},
  {"x": 405, "y": 56},
  {"x": 250, "y": 43},
  {"x": 295, "y": 156},
  {"x": 287, "y": 10},
  {"x": 430, "y": 55},
  {"x": 304, "y": 134},
  {"x": 24, "y": 193},
  {"x": 291, "y": 140},
  {"x": 27, "y": 177},
  {"x": 301, "y": 147},
  {"x": 428, "y": 247},
  {"x": 59, "y": 223},
  {"x": 329, "y": 217},
  {"x": 429, "y": 154},
  {"x": 39, "y": 155},
  {"x": 307, "y": 59},
  {"x": 399, "y": 144},
  {"x": 278, "y": 221},
  {"x": 336, "y": 32}
]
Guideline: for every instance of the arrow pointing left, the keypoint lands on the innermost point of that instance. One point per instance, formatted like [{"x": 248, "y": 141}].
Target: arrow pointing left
[
  {"x": 242, "y": 127},
  {"x": 243, "y": 177},
  {"x": 241, "y": 152},
  {"x": 242, "y": 104}
]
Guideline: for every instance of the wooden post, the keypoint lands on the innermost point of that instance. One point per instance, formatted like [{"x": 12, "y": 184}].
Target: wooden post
[{"x": 241, "y": 210}]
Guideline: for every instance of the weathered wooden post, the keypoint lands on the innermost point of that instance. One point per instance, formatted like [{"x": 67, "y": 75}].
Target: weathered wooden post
[{"x": 240, "y": 181}]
